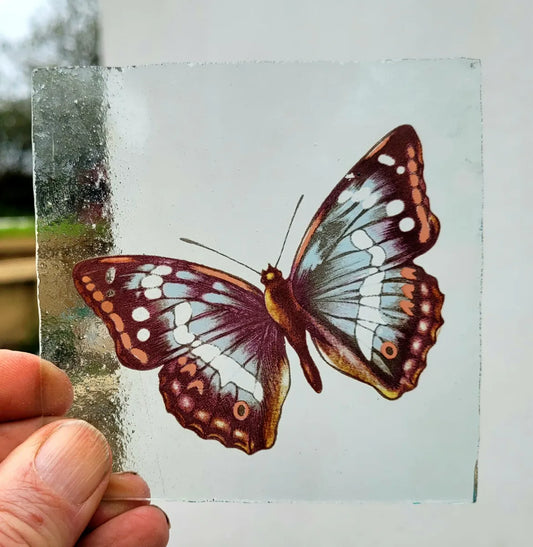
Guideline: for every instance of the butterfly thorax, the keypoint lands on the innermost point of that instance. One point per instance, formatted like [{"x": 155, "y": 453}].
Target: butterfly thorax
[
  {"x": 284, "y": 309},
  {"x": 279, "y": 299}
]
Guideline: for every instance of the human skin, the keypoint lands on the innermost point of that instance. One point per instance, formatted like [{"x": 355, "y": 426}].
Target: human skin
[{"x": 55, "y": 472}]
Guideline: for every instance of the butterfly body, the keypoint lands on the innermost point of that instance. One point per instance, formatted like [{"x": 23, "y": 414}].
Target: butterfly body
[
  {"x": 354, "y": 290},
  {"x": 284, "y": 309}
]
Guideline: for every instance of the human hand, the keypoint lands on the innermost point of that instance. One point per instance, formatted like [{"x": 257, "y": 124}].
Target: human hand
[{"x": 54, "y": 472}]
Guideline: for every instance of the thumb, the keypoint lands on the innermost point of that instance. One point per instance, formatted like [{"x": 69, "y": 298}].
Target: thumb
[{"x": 51, "y": 485}]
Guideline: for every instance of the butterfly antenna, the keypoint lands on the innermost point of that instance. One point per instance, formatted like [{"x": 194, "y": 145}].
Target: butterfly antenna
[
  {"x": 288, "y": 230},
  {"x": 218, "y": 253}
]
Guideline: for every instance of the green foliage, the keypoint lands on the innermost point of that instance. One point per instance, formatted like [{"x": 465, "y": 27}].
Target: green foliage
[
  {"x": 15, "y": 138},
  {"x": 69, "y": 227},
  {"x": 20, "y": 229}
]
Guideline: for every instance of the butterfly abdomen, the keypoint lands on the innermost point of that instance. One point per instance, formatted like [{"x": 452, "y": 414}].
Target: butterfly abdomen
[{"x": 284, "y": 309}]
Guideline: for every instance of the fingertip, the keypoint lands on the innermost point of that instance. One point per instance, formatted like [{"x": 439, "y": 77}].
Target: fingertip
[
  {"x": 124, "y": 492},
  {"x": 56, "y": 477},
  {"x": 57, "y": 393},
  {"x": 31, "y": 387},
  {"x": 167, "y": 520},
  {"x": 127, "y": 485},
  {"x": 74, "y": 460},
  {"x": 154, "y": 523},
  {"x": 150, "y": 523}
]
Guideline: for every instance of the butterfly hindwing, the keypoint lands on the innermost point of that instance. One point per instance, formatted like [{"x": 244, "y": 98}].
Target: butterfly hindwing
[
  {"x": 380, "y": 329},
  {"x": 367, "y": 302},
  {"x": 224, "y": 369}
]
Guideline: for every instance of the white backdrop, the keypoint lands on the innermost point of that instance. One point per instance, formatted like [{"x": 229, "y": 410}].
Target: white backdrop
[{"x": 134, "y": 33}]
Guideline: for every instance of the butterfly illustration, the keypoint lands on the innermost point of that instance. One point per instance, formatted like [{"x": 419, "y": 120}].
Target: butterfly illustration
[{"x": 371, "y": 312}]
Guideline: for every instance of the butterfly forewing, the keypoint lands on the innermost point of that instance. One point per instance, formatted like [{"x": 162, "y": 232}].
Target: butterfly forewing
[
  {"x": 224, "y": 369},
  {"x": 367, "y": 302}
]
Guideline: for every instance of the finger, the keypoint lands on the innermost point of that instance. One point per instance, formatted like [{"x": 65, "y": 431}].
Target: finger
[
  {"x": 141, "y": 527},
  {"x": 14, "y": 433},
  {"x": 124, "y": 492},
  {"x": 31, "y": 387},
  {"x": 51, "y": 484}
]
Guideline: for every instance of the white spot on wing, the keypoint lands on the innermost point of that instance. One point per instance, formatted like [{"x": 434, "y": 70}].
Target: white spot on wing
[
  {"x": 366, "y": 324},
  {"x": 395, "y": 207},
  {"x": 151, "y": 281},
  {"x": 372, "y": 284},
  {"x": 152, "y": 294},
  {"x": 162, "y": 270},
  {"x": 230, "y": 371},
  {"x": 364, "y": 340},
  {"x": 258, "y": 392},
  {"x": 370, "y": 201},
  {"x": 206, "y": 352},
  {"x": 361, "y": 240},
  {"x": 362, "y": 194},
  {"x": 370, "y": 301},
  {"x": 182, "y": 335},
  {"x": 386, "y": 159},
  {"x": 140, "y": 314},
  {"x": 349, "y": 176},
  {"x": 406, "y": 224},
  {"x": 378, "y": 255},
  {"x": 400, "y": 170},
  {"x": 143, "y": 335},
  {"x": 370, "y": 314},
  {"x": 182, "y": 313}
]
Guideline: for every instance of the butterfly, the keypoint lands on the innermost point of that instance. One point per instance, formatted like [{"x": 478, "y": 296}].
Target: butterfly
[{"x": 370, "y": 311}]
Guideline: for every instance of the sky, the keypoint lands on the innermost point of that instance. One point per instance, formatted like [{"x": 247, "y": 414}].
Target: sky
[{"x": 15, "y": 17}]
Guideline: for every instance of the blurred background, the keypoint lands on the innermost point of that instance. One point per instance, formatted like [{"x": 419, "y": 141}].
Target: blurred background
[{"x": 33, "y": 33}]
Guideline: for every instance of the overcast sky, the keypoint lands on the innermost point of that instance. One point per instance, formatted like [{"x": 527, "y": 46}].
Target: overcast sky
[{"x": 16, "y": 15}]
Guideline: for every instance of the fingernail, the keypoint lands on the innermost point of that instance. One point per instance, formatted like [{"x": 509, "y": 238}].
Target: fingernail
[
  {"x": 126, "y": 485},
  {"x": 166, "y": 516},
  {"x": 73, "y": 460},
  {"x": 56, "y": 389}
]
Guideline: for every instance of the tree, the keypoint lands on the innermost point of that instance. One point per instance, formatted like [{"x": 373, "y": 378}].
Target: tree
[{"x": 64, "y": 35}]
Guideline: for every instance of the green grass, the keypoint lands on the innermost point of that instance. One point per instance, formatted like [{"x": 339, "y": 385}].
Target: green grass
[
  {"x": 11, "y": 227},
  {"x": 69, "y": 228}
]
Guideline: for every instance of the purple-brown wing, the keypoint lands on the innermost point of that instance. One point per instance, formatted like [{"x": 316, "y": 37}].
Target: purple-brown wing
[
  {"x": 224, "y": 368},
  {"x": 372, "y": 313}
]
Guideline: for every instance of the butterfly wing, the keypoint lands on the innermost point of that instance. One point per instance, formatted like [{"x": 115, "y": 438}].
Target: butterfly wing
[
  {"x": 372, "y": 313},
  {"x": 224, "y": 368}
]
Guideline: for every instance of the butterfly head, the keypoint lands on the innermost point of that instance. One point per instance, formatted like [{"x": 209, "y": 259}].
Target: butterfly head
[{"x": 271, "y": 275}]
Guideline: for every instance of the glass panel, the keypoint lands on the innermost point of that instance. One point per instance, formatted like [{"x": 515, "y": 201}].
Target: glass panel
[{"x": 128, "y": 161}]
